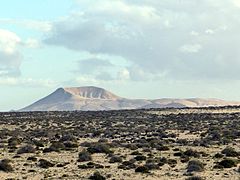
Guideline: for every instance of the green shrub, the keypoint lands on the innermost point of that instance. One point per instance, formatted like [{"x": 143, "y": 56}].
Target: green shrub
[
  {"x": 218, "y": 155},
  {"x": 142, "y": 169},
  {"x": 84, "y": 156},
  {"x": 230, "y": 152},
  {"x": 32, "y": 158},
  {"x": 194, "y": 178},
  {"x": 70, "y": 145},
  {"x": 152, "y": 166},
  {"x": 192, "y": 153},
  {"x": 45, "y": 164},
  {"x": 97, "y": 176},
  {"x": 115, "y": 159},
  {"x": 99, "y": 148},
  {"x": 5, "y": 165},
  {"x": 163, "y": 148},
  {"x": 195, "y": 165},
  {"x": 140, "y": 158},
  {"x": 26, "y": 149},
  {"x": 55, "y": 147},
  {"x": 228, "y": 163}
]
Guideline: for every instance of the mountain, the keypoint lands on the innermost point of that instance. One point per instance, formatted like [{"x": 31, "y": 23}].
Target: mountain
[{"x": 95, "y": 98}]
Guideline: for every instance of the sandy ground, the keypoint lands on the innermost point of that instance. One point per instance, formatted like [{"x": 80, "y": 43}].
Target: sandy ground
[{"x": 25, "y": 169}]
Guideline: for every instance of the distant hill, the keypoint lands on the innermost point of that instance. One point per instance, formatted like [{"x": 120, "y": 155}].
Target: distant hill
[{"x": 95, "y": 98}]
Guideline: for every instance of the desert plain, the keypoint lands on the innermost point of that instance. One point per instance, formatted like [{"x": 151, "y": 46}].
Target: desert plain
[{"x": 161, "y": 144}]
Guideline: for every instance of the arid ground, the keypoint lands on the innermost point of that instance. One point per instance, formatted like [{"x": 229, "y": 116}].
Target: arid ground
[{"x": 193, "y": 144}]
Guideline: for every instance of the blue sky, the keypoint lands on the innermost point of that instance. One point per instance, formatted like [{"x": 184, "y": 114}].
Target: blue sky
[{"x": 136, "y": 49}]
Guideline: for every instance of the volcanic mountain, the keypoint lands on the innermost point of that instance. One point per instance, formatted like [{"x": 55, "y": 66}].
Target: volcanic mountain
[{"x": 95, "y": 98}]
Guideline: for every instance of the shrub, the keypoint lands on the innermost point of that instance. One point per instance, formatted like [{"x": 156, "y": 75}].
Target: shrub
[
  {"x": 103, "y": 141},
  {"x": 62, "y": 164},
  {"x": 70, "y": 145},
  {"x": 84, "y": 156},
  {"x": 90, "y": 165},
  {"x": 195, "y": 165},
  {"x": 178, "y": 154},
  {"x": 184, "y": 159},
  {"x": 83, "y": 166},
  {"x": 162, "y": 161},
  {"x": 128, "y": 164},
  {"x": 142, "y": 169},
  {"x": 136, "y": 153},
  {"x": 192, "y": 153},
  {"x": 26, "y": 149},
  {"x": 152, "y": 166},
  {"x": 85, "y": 144},
  {"x": 162, "y": 148},
  {"x": 94, "y": 165},
  {"x": 99, "y": 148},
  {"x": 217, "y": 166},
  {"x": 132, "y": 146},
  {"x": 14, "y": 141},
  {"x": 218, "y": 155},
  {"x": 115, "y": 159},
  {"x": 5, "y": 165},
  {"x": 55, "y": 147},
  {"x": 38, "y": 143},
  {"x": 140, "y": 158},
  {"x": 45, "y": 164},
  {"x": 32, "y": 158},
  {"x": 228, "y": 163},
  {"x": 97, "y": 176},
  {"x": 230, "y": 152},
  {"x": 172, "y": 162},
  {"x": 68, "y": 137},
  {"x": 194, "y": 178}
]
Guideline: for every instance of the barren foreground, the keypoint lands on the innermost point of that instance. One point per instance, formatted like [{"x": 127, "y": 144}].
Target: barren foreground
[{"x": 130, "y": 144}]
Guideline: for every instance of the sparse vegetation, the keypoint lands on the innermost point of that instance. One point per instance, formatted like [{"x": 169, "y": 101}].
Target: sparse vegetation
[
  {"x": 26, "y": 149},
  {"x": 142, "y": 169},
  {"x": 97, "y": 176},
  {"x": 227, "y": 163},
  {"x": 45, "y": 163},
  {"x": 5, "y": 165},
  {"x": 84, "y": 156},
  {"x": 194, "y": 178},
  {"x": 99, "y": 148},
  {"x": 230, "y": 152},
  {"x": 115, "y": 159},
  {"x": 195, "y": 165},
  {"x": 133, "y": 143}
]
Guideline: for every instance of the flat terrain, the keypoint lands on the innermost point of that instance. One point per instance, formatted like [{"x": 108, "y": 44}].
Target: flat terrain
[{"x": 200, "y": 143}]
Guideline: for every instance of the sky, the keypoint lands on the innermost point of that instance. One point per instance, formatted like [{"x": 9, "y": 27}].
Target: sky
[{"x": 134, "y": 48}]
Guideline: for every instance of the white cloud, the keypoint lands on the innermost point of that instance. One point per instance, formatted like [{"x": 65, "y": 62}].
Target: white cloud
[
  {"x": 8, "y": 41},
  {"x": 32, "y": 43},
  {"x": 10, "y": 57},
  {"x": 93, "y": 65},
  {"x": 124, "y": 74},
  {"x": 42, "y": 26},
  {"x": 29, "y": 82},
  {"x": 101, "y": 69},
  {"x": 209, "y": 31},
  {"x": 167, "y": 38},
  {"x": 236, "y": 3},
  {"x": 190, "y": 48}
]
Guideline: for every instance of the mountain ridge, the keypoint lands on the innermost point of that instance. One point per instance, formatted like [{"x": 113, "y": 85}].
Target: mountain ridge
[
  {"x": 95, "y": 98},
  {"x": 91, "y": 92}
]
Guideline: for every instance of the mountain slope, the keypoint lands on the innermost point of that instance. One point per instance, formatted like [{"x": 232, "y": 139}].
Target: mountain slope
[{"x": 95, "y": 98}]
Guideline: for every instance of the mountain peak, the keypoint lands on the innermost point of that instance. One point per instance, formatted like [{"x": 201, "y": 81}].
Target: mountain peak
[
  {"x": 94, "y": 98},
  {"x": 91, "y": 92}
]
